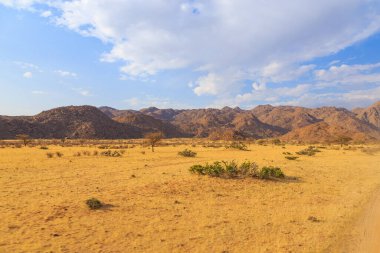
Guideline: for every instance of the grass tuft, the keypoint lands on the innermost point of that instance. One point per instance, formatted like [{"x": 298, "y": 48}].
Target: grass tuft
[
  {"x": 94, "y": 204},
  {"x": 187, "y": 153}
]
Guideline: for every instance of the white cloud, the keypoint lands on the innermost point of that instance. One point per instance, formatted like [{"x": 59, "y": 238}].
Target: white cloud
[
  {"x": 348, "y": 99},
  {"x": 259, "y": 86},
  {"x": 83, "y": 92},
  {"x": 27, "y": 65},
  {"x": 46, "y": 14},
  {"x": 227, "y": 43},
  {"x": 20, "y": 4},
  {"x": 153, "y": 101},
  {"x": 64, "y": 73},
  {"x": 28, "y": 74},
  {"x": 39, "y": 92},
  {"x": 361, "y": 74},
  {"x": 261, "y": 40}
]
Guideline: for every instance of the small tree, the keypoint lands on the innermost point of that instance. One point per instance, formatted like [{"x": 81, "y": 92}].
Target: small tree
[
  {"x": 63, "y": 140},
  {"x": 343, "y": 140},
  {"x": 153, "y": 139},
  {"x": 25, "y": 138}
]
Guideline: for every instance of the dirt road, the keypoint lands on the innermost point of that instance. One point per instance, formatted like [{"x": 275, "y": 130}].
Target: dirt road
[{"x": 364, "y": 237}]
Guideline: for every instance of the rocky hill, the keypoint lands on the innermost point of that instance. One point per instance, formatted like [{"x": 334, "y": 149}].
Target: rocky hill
[
  {"x": 290, "y": 123},
  {"x": 71, "y": 122},
  {"x": 370, "y": 114},
  {"x": 143, "y": 122}
]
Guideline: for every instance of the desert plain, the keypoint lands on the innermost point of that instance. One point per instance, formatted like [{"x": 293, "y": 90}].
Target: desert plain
[{"x": 152, "y": 203}]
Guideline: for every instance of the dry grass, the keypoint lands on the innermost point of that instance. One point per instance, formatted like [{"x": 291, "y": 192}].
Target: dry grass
[{"x": 155, "y": 205}]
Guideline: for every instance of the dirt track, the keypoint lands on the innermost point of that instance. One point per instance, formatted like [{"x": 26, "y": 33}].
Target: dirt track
[
  {"x": 364, "y": 235},
  {"x": 369, "y": 228}
]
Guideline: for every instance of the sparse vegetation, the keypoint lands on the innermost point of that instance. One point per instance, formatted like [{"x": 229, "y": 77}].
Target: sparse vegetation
[
  {"x": 44, "y": 147},
  {"x": 343, "y": 140},
  {"x": 238, "y": 145},
  {"x": 94, "y": 203},
  {"x": 225, "y": 169},
  {"x": 111, "y": 153},
  {"x": 310, "y": 151},
  {"x": 291, "y": 157},
  {"x": 58, "y": 154},
  {"x": 24, "y": 138},
  {"x": 187, "y": 153},
  {"x": 269, "y": 172},
  {"x": 153, "y": 139},
  {"x": 50, "y": 155}
]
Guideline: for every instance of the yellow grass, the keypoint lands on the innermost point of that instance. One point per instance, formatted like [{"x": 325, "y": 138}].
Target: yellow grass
[{"x": 155, "y": 205}]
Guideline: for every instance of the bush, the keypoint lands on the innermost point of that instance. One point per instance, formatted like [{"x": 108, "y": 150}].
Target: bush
[
  {"x": 111, "y": 153},
  {"x": 227, "y": 169},
  {"x": 261, "y": 142},
  {"x": 238, "y": 145},
  {"x": 268, "y": 172},
  {"x": 291, "y": 157},
  {"x": 310, "y": 151},
  {"x": 44, "y": 147},
  {"x": 50, "y": 155},
  {"x": 94, "y": 203},
  {"x": 59, "y": 154},
  {"x": 187, "y": 153},
  {"x": 86, "y": 153}
]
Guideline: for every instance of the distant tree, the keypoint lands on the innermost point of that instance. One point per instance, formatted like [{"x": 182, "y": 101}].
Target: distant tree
[
  {"x": 343, "y": 140},
  {"x": 154, "y": 138},
  {"x": 63, "y": 140},
  {"x": 24, "y": 138}
]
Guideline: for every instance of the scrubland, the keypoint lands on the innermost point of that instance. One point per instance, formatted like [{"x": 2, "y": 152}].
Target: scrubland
[{"x": 152, "y": 203}]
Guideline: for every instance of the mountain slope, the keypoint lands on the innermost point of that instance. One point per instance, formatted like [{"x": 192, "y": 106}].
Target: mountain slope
[
  {"x": 72, "y": 122},
  {"x": 323, "y": 124},
  {"x": 370, "y": 114},
  {"x": 323, "y": 132},
  {"x": 286, "y": 117},
  {"x": 203, "y": 122}
]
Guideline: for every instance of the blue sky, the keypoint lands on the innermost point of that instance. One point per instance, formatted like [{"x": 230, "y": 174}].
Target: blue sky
[{"x": 188, "y": 53}]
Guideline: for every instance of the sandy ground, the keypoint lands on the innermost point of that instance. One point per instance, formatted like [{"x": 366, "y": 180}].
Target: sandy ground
[
  {"x": 364, "y": 234},
  {"x": 155, "y": 205}
]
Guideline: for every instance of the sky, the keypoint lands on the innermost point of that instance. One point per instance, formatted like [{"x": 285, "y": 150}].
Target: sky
[{"x": 132, "y": 54}]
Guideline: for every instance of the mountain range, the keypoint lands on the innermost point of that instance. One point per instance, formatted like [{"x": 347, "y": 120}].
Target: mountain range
[{"x": 289, "y": 123}]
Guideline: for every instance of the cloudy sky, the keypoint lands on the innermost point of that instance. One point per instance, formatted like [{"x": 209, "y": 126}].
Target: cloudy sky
[{"x": 188, "y": 53}]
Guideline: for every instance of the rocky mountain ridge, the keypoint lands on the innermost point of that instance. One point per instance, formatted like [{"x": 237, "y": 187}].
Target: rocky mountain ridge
[{"x": 290, "y": 123}]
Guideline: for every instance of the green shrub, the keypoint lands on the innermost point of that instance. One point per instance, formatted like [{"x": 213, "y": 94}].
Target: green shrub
[
  {"x": 268, "y": 172},
  {"x": 111, "y": 153},
  {"x": 238, "y": 145},
  {"x": 261, "y": 142},
  {"x": 94, "y": 203},
  {"x": 226, "y": 169},
  {"x": 310, "y": 151},
  {"x": 187, "y": 153},
  {"x": 291, "y": 157}
]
